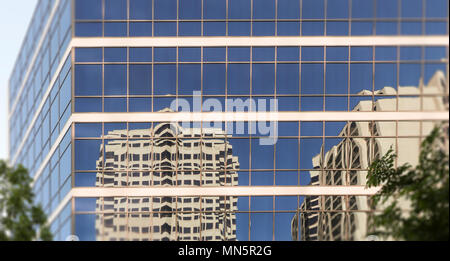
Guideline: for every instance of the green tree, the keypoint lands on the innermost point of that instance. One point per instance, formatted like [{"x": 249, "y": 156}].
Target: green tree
[
  {"x": 425, "y": 187},
  {"x": 20, "y": 218}
]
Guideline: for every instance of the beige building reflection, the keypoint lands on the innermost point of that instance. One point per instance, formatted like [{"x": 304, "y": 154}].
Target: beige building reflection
[
  {"x": 331, "y": 217},
  {"x": 167, "y": 155}
]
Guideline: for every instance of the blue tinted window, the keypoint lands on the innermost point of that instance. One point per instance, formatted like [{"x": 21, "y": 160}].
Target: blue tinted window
[
  {"x": 189, "y": 79},
  {"x": 88, "y": 130},
  {"x": 435, "y": 53},
  {"x": 385, "y": 76},
  {"x": 288, "y": 28},
  {"x": 140, "y": 9},
  {"x": 140, "y": 104},
  {"x": 190, "y": 9},
  {"x": 337, "y": 28},
  {"x": 214, "y": 28},
  {"x": 85, "y": 204},
  {"x": 165, "y": 54},
  {"x": 337, "y": 9},
  {"x": 263, "y": 54},
  {"x": 190, "y": 28},
  {"x": 288, "y": 53},
  {"x": 336, "y": 79},
  {"x": 409, "y": 74},
  {"x": 361, "y": 76},
  {"x": 214, "y": 54},
  {"x": 165, "y": 29},
  {"x": 337, "y": 53},
  {"x": 436, "y": 8},
  {"x": 115, "y": 79},
  {"x": 263, "y": 28},
  {"x": 190, "y": 54},
  {"x": 386, "y": 28},
  {"x": 411, "y": 8},
  {"x": 387, "y": 8},
  {"x": 88, "y": 80},
  {"x": 165, "y": 79},
  {"x": 287, "y": 154},
  {"x": 88, "y": 29},
  {"x": 88, "y": 105},
  {"x": 85, "y": 227},
  {"x": 239, "y": 9},
  {"x": 239, "y": 28},
  {"x": 115, "y": 9},
  {"x": 313, "y": 9},
  {"x": 361, "y": 54},
  {"x": 88, "y": 9},
  {"x": 312, "y": 79},
  {"x": 264, "y": 9},
  {"x": 362, "y": 8},
  {"x": 214, "y": 79},
  {"x": 115, "y": 105},
  {"x": 262, "y": 152},
  {"x": 385, "y": 53},
  {"x": 141, "y": 29},
  {"x": 85, "y": 179},
  {"x": 87, "y": 153},
  {"x": 411, "y": 28},
  {"x": 410, "y": 53},
  {"x": 312, "y": 53},
  {"x": 238, "y": 79},
  {"x": 141, "y": 55},
  {"x": 287, "y": 78},
  {"x": 288, "y": 9},
  {"x": 435, "y": 28},
  {"x": 263, "y": 79},
  {"x": 140, "y": 79},
  {"x": 88, "y": 55},
  {"x": 312, "y": 28},
  {"x": 116, "y": 29},
  {"x": 115, "y": 54},
  {"x": 239, "y": 53},
  {"x": 362, "y": 28},
  {"x": 214, "y": 9},
  {"x": 288, "y": 103},
  {"x": 165, "y": 9}
]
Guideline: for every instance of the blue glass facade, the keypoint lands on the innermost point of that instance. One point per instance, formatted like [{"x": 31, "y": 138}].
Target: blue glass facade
[{"x": 65, "y": 78}]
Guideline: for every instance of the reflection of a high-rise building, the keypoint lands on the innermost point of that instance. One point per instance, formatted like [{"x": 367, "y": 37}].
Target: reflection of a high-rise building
[
  {"x": 167, "y": 155},
  {"x": 346, "y": 217}
]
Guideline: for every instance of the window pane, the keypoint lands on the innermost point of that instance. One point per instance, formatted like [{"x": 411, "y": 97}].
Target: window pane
[
  {"x": 88, "y": 80},
  {"x": 115, "y": 9},
  {"x": 165, "y": 79},
  {"x": 140, "y": 79},
  {"x": 214, "y": 79},
  {"x": 115, "y": 79},
  {"x": 239, "y": 79},
  {"x": 140, "y": 9},
  {"x": 165, "y": 9},
  {"x": 239, "y": 9},
  {"x": 87, "y": 153},
  {"x": 190, "y": 9},
  {"x": 88, "y": 9}
]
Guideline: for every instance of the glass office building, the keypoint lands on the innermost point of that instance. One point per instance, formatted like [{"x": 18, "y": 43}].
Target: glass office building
[{"x": 222, "y": 119}]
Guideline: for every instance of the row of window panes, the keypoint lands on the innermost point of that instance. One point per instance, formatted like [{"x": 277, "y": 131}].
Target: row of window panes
[
  {"x": 55, "y": 180},
  {"x": 260, "y": 54},
  {"x": 287, "y": 154},
  {"x": 52, "y": 116},
  {"x": 49, "y": 55},
  {"x": 40, "y": 17},
  {"x": 262, "y": 28},
  {"x": 256, "y": 9}
]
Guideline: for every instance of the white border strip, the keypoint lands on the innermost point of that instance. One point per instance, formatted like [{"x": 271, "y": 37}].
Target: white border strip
[
  {"x": 226, "y": 191},
  {"x": 258, "y": 116},
  {"x": 263, "y": 41},
  {"x": 33, "y": 60}
]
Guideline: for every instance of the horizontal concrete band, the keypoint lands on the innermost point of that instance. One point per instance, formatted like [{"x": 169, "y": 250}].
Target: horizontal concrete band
[
  {"x": 262, "y": 41},
  {"x": 258, "y": 116},
  {"x": 225, "y": 191}
]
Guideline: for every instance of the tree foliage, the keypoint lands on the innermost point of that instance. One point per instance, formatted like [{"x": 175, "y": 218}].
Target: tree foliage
[
  {"x": 20, "y": 218},
  {"x": 425, "y": 187}
]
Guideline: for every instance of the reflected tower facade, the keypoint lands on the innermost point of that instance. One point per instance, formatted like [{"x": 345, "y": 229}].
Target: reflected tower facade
[
  {"x": 173, "y": 157},
  {"x": 330, "y": 218}
]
